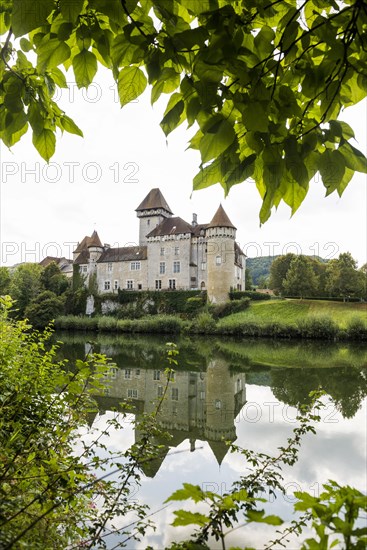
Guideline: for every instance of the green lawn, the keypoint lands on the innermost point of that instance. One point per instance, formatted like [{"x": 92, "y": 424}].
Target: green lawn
[{"x": 289, "y": 311}]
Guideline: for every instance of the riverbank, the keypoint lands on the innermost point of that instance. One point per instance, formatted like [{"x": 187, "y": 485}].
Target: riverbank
[{"x": 305, "y": 319}]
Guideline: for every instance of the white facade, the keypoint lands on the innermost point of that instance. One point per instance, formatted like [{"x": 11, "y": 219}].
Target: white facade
[{"x": 172, "y": 254}]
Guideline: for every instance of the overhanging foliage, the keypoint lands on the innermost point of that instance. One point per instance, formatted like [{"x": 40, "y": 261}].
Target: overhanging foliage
[{"x": 262, "y": 83}]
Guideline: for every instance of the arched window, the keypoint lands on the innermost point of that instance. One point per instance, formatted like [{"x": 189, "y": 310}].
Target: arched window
[{"x": 202, "y": 286}]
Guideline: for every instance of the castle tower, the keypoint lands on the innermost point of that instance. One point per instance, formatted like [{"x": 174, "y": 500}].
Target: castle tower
[
  {"x": 221, "y": 235},
  {"x": 95, "y": 249},
  {"x": 151, "y": 212}
]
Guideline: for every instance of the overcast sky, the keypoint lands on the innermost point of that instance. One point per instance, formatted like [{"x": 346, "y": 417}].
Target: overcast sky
[{"x": 97, "y": 182}]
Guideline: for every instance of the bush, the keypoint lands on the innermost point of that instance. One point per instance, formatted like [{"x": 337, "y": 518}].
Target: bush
[
  {"x": 203, "y": 324},
  {"x": 253, "y": 295},
  {"x": 321, "y": 326},
  {"x": 228, "y": 308},
  {"x": 75, "y": 322},
  {"x": 357, "y": 329},
  {"x": 107, "y": 324},
  {"x": 194, "y": 305}
]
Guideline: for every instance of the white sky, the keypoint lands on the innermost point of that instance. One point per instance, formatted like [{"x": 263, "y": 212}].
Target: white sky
[{"x": 97, "y": 182}]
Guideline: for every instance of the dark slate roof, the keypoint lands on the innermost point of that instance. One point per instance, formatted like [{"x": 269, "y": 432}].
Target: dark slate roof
[
  {"x": 124, "y": 254},
  {"x": 221, "y": 219},
  {"x": 171, "y": 226},
  {"x": 197, "y": 228},
  {"x": 59, "y": 261},
  {"x": 83, "y": 257},
  {"x": 94, "y": 240},
  {"x": 154, "y": 200}
]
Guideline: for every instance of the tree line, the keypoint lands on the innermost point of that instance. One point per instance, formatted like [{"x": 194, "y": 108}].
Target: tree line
[
  {"x": 42, "y": 293},
  {"x": 306, "y": 276}
]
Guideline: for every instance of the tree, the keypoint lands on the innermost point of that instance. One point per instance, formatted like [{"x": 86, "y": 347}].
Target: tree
[
  {"x": 343, "y": 277},
  {"x": 53, "y": 279},
  {"x": 262, "y": 84},
  {"x": 25, "y": 285},
  {"x": 248, "y": 279},
  {"x": 44, "y": 308},
  {"x": 300, "y": 279},
  {"x": 4, "y": 281},
  {"x": 278, "y": 271}
]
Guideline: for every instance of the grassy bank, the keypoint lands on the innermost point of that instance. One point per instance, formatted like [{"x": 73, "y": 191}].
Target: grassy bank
[{"x": 275, "y": 319}]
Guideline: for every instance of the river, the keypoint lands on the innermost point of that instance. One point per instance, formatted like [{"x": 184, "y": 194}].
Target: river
[{"x": 243, "y": 391}]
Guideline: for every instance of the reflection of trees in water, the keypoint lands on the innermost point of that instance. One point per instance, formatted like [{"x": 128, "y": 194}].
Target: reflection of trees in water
[{"x": 347, "y": 386}]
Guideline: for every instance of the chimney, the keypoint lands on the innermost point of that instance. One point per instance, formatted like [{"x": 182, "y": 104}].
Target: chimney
[
  {"x": 194, "y": 220},
  {"x": 107, "y": 246}
]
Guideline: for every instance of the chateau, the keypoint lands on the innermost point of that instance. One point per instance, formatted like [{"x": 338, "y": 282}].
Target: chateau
[{"x": 172, "y": 254}]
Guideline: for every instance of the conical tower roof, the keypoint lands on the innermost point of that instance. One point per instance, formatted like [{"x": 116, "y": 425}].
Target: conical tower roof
[
  {"x": 221, "y": 219},
  {"x": 95, "y": 240},
  {"x": 154, "y": 200}
]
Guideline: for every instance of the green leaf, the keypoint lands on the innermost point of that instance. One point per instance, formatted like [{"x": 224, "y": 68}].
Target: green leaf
[
  {"x": 131, "y": 84},
  {"x": 331, "y": 165},
  {"x": 69, "y": 126},
  {"x": 189, "y": 491},
  {"x": 255, "y": 118},
  {"x": 51, "y": 53},
  {"x": 217, "y": 138},
  {"x": 124, "y": 52},
  {"x": 210, "y": 175},
  {"x": 70, "y": 9},
  {"x": 85, "y": 68},
  {"x": 58, "y": 77},
  {"x": 45, "y": 143},
  {"x": 173, "y": 114},
  {"x": 29, "y": 15},
  {"x": 189, "y": 518},
  {"x": 354, "y": 159}
]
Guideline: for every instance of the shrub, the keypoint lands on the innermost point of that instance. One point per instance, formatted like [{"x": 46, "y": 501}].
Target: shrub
[
  {"x": 203, "y": 324},
  {"x": 107, "y": 323},
  {"x": 321, "y": 326},
  {"x": 75, "y": 322},
  {"x": 357, "y": 329},
  {"x": 253, "y": 295},
  {"x": 227, "y": 308},
  {"x": 194, "y": 305}
]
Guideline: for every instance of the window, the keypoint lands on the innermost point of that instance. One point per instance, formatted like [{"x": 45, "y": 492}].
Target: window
[
  {"x": 107, "y": 285},
  {"x": 83, "y": 268},
  {"x": 133, "y": 394},
  {"x": 203, "y": 266},
  {"x": 127, "y": 374},
  {"x": 109, "y": 266},
  {"x": 157, "y": 375},
  {"x": 162, "y": 251},
  {"x": 176, "y": 267},
  {"x": 130, "y": 284},
  {"x": 172, "y": 283},
  {"x": 162, "y": 268},
  {"x": 218, "y": 404},
  {"x": 137, "y": 372},
  {"x": 175, "y": 394},
  {"x": 113, "y": 373},
  {"x": 140, "y": 286},
  {"x": 115, "y": 285},
  {"x": 148, "y": 223},
  {"x": 202, "y": 395},
  {"x": 218, "y": 260},
  {"x": 177, "y": 250},
  {"x": 158, "y": 284},
  {"x": 135, "y": 266},
  {"x": 160, "y": 391}
]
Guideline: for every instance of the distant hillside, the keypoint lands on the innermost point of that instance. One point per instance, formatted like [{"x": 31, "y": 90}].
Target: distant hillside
[{"x": 260, "y": 267}]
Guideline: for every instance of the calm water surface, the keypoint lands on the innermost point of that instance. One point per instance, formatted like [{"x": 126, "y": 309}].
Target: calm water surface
[{"x": 243, "y": 391}]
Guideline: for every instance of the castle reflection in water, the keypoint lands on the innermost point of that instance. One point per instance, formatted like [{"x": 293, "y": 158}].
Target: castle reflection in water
[{"x": 197, "y": 406}]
